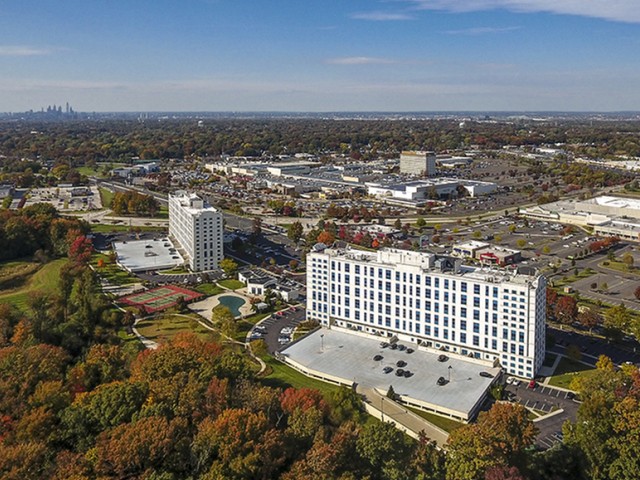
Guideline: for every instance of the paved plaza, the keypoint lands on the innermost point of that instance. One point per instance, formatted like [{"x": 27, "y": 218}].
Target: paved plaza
[{"x": 349, "y": 356}]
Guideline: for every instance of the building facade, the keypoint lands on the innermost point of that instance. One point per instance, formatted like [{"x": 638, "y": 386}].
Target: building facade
[
  {"x": 418, "y": 163},
  {"x": 436, "y": 302},
  {"x": 198, "y": 228}
]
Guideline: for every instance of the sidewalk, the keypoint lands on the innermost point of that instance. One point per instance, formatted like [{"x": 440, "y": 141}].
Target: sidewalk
[{"x": 387, "y": 410}]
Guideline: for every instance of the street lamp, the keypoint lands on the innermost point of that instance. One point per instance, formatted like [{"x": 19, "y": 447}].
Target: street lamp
[
  {"x": 322, "y": 342},
  {"x": 382, "y": 407},
  {"x": 449, "y": 369}
]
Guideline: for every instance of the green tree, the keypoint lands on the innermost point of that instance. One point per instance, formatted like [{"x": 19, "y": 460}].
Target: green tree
[
  {"x": 295, "y": 231},
  {"x": 222, "y": 317},
  {"x": 628, "y": 261},
  {"x": 228, "y": 266}
]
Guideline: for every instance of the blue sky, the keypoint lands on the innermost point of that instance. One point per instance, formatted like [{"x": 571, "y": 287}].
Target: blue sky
[{"x": 320, "y": 55}]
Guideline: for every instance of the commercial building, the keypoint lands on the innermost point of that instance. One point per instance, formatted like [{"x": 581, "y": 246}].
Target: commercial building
[
  {"x": 607, "y": 215},
  {"x": 420, "y": 191},
  {"x": 198, "y": 228},
  {"x": 418, "y": 163},
  {"x": 485, "y": 313}
]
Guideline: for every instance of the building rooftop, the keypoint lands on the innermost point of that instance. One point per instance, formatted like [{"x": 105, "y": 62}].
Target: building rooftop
[
  {"x": 350, "y": 357},
  {"x": 143, "y": 255}
]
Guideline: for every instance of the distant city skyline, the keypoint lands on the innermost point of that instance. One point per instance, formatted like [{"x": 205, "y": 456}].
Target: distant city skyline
[{"x": 296, "y": 55}]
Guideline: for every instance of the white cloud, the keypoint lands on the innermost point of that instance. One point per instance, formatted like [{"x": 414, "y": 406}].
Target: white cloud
[
  {"x": 381, "y": 16},
  {"x": 360, "y": 61},
  {"x": 616, "y": 10},
  {"x": 481, "y": 30},
  {"x": 23, "y": 51}
]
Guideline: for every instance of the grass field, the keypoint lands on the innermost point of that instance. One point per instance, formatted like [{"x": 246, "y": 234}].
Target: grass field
[
  {"x": 14, "y": 274},
  {"x": 446, "y": 424},
  {"x": 112, "y": 272},
  {"x": 620, "y": 267},
  {"x": 231, "y": 284},
  {"x": 567, "y": 370},
  {"x": 106, "y": 196},
  {"x": 45, "y": 280},
  {"x": 283, "y": 376},
  {"x": 162, "y": 329},
  {"x": 209, "y": 289}
]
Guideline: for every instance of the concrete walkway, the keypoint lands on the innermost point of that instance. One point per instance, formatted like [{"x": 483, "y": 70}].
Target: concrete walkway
[{"x": 388, "y": 410}]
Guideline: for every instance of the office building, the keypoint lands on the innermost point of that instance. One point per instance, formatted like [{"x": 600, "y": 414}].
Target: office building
[
  {"x": 198, "y": 228},
  {"x": 418, "y": 163},
  {"x": 436, "y": 302}
]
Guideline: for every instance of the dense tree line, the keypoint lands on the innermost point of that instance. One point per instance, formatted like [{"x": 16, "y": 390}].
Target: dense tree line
[
  {"x": 37, "y": 228},
  {"x": 134, "y": 203},
  {"x": 122, "y": 140}
]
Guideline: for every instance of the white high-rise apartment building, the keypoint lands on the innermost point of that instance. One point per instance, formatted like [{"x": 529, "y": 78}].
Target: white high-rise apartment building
[
  {"x": 434, "y": 301},
  {"x": 198, "y": 229}
]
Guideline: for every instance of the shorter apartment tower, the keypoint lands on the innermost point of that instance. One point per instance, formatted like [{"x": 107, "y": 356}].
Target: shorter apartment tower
[
  {"x": 418, "y": 163},
  {"x": 486, "y": 313},
  {"x": 198, "y": 229}
]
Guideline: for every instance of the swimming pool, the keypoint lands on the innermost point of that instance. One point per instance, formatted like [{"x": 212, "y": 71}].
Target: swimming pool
[{"x": 233, "y": 303}]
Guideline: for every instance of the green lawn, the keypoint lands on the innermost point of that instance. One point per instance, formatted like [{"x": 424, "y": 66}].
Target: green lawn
[
  {"x": 162, "y": 329},
  {"x": 283, "y": 376},
  {"x": 106, "y": 196},
  {"x": 620, "y": 267},
  {"x": 559, "y": 282},
  {"x": 245, "y": 325},
  {"x": 45, "y": 280},
  {"x": 231, "y": 284},
  {"x": 209, "y": 289},
  {"x": 446, "y": 424},
  {"x": 111, "y": 271},
  {"x": 567, "y": 370}
]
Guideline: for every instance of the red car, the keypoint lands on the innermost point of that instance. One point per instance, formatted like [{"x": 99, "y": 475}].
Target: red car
[{"x": 532, "y": 384}]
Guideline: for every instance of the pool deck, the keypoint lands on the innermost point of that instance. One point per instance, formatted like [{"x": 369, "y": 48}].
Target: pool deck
[{"x": 204, "y": 307}]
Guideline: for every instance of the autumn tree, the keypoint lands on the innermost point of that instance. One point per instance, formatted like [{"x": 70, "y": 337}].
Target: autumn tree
[
  {"x": 500, "y": 437},
  {"x": 238, "y": 444},
  {"x": 566, "y": 309}
]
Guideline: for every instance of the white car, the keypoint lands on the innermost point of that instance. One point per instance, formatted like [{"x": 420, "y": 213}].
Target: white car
[
  {"x": 510, "y": 380},
  {"x": 516, "y": 382}
]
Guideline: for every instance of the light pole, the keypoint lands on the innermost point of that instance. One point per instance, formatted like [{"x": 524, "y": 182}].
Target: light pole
[
  {"x": 449, "y": 369},
  {"x": 322, "y": 342},
  {"x": 382, "y": 407}
]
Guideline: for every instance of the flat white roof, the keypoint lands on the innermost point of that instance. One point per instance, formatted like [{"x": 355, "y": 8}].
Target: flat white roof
[
  {"x": 143, "y": 255},
  {"x": 617, "y": 202},
  {"x": 350, "y": 357}
]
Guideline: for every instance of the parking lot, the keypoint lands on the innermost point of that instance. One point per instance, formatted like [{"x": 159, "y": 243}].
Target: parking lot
[
  {"x": 547, "y": 400},
  {"x": 271, "y": 328}
]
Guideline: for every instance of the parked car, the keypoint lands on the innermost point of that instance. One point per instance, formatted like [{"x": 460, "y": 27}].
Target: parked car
[
  {"x": 510, "y": 380},
  {"x": 443, "y": 358},
  {"x": 441, "y": 381},
  {"x": 401, "y": 363},
  {"x": 387, "y": 369},
  {"x": 377, "y": 358},
  {"x": 384, "y": 344},
  {"x": 402, "y": 348},
  {"x": 399, "y": 372},
  {"x": 486, "y": 375},
  {"x": 410, "y": 350},
  {"x": 532, "y": 384},
  {"x": 407, "y": 374}
]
